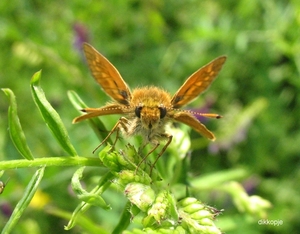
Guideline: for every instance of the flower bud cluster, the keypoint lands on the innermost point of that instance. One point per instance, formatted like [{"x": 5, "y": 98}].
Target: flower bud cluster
[
  {"x": 140, "y": 195},
  {"x": 160, "y": 210},
  {"x": 197, "y": 217},
  {"x": 123, "y": 166}
]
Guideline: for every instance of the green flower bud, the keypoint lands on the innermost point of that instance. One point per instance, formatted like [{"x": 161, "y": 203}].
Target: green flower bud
[
  {"x": 181, "y": 144},
  {"x": 187, "y": 201},
  {"x": 201, "y": 214},
  {"x": 127, "y": 176},
  {"x": 140, "y": 195},
  {"x": 191, "y": 208},
  {"x": 132, "y": 154},
  {"x": 206, "y": 222},
  {"x": 197, "y": 217},
  {"x": 158, "y": 210},
  {"x": 110, "y": 159}
]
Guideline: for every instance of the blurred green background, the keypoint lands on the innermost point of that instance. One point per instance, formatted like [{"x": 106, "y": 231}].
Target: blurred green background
[{"x": 160, "y": 43}]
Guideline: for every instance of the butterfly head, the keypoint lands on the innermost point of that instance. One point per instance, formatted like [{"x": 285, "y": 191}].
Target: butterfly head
[{"x": 151, "y": 106}]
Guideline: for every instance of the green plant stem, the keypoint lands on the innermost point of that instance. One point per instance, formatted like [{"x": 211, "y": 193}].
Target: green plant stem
[
  {"x": 51, "y": 161},
  {"x": 87, "y": 224},
  {"x": 124, "y": 220}
]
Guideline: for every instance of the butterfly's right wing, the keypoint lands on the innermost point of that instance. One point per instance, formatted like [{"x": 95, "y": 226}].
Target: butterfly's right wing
[
  {"x": 110, "y": 109},
  {"x": 190, "y": 120}
]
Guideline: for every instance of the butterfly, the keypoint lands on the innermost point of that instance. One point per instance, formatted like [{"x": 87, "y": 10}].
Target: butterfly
[{"x": 147, "y": 110}]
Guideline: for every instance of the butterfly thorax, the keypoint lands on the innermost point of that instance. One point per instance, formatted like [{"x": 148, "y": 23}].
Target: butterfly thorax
[{"x": 150, "y": 96}]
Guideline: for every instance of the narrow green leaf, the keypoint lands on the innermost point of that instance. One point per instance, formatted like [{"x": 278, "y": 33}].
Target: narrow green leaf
[
  {"x": 25, "y": 200},
  {"x": 15, "y": 129},
  {"x": 104, "y": 183},
  {"x": 76, "y": 100},
  {"x": 95, "y": 123},
  {"x": 50, "y": 116},
  {"x": 88, "y": 197}
]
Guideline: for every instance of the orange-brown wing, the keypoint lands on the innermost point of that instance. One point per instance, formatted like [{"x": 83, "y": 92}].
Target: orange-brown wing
[
  {"x": 188, "y": 119},
  {"x": 197, "y": 82},
  {"x": 111, "y": 109},
  {"x": 107, "y": 75}
]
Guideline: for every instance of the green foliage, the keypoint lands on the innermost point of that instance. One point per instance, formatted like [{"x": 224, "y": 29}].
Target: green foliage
[
  {"x": 145, "y": 189},
  {"x": 24, "y": 202},
  {"x": 15, "y": 129},
  {"x": 158, "y": 43},
  {"x": 50, "y": 116}
]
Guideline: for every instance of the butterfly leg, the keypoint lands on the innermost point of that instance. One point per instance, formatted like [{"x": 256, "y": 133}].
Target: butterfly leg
[
  {"x": 145, "y": 157},
  {"x": 169, "y": 137},
  {"x": 121, "y": 123},
  {"x": 141, "y": 148}
]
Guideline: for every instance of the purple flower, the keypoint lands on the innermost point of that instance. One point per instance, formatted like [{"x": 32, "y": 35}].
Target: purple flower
[
  {"x": 204, "y": 109},
  {"x": 81, "y": 36},
  {"x": 6, "y": 209}
]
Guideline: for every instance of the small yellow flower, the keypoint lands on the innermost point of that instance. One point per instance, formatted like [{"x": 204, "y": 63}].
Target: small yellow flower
[{"x": 39, "y": 200}]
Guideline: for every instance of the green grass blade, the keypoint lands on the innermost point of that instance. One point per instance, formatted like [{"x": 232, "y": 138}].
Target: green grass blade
[
  {"x": 15, "y": 129},
  {"x": 25, "y": 200},
  {"x": 50, "y": 116}
]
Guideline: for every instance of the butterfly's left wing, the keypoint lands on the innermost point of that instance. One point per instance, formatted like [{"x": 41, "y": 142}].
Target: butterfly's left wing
[
  {"x": 197, "y": 82},
  {"x": 107, "y": 75}
]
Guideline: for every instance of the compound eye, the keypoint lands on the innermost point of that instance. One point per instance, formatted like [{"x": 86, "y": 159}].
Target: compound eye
[
  {"x": 163, "y": 111},
  {"x": 138, "y": 111}
]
